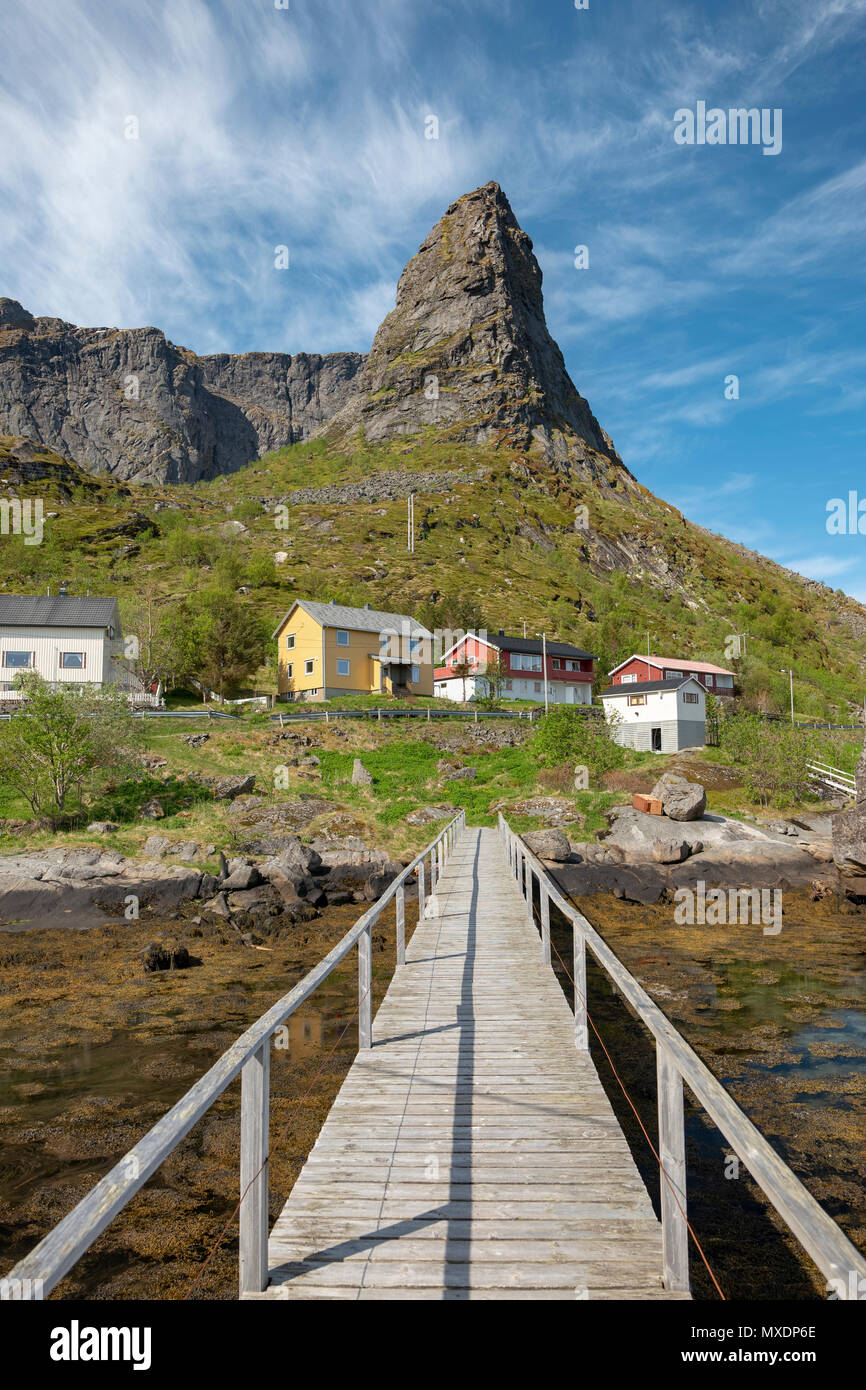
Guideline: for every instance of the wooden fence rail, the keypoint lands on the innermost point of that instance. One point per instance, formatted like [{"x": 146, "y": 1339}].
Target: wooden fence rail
[
  {"x": 831, "y": 1250},
  {"x": 37, "y": 1273}
]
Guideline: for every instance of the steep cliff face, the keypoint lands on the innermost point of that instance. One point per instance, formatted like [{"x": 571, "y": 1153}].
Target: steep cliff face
[
  {"x": 467, "y": 351},
  {"x": 130, "y": 403}
]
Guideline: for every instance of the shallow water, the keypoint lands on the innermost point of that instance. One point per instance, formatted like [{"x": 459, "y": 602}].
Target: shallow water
[{"x": 781, "y": 1021}]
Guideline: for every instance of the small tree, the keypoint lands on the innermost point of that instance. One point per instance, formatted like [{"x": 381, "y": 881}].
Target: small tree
[
  {"x": 61, "y": 744},
  {"x": 228, "y": 639},
  {"x": 463, "y": 669},
  {"x": 713, "y": 719},
  {"x": 492, "y": 678},
  {"x": 567, "y": 736}
]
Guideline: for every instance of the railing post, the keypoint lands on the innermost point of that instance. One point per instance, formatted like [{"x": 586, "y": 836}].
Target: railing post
[
  {"x": 672, "y": 1153},
  {"x": 365, "y": 981},
  {"x": 581, "y": 1031},
  {"x": 421, "y": 894},
  {"x": 432, "y": 871},
  {"x": 545, "y": 922},
  {"x": 401, "y": 926},
  {"x": 255, "y": 1127}
]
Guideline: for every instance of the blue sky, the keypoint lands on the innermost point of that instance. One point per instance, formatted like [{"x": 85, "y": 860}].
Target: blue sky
[{"x": 305, "y": 127}]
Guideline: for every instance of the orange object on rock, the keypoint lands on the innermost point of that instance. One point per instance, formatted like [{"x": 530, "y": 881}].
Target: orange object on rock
[{"x": 651, "y": 805}]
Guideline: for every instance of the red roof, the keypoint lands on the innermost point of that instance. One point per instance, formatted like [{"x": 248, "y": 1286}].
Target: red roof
[{"x": 674, "y": 664}]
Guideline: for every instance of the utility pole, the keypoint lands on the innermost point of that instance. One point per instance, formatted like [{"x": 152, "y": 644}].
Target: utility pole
[
  {"x": 543, "y": 636},
  {"x": 410, "y": 522},
  {"x": 790, "y": 674},
  {"x": 648, "y": 656},
  {"x": 524, "y": 627}
]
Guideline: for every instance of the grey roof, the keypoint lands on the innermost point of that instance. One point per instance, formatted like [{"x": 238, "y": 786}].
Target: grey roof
[
  {"x": 356, "y": 619},
  {"x": 532, "y": 646},
  {"x": 646, "y": 687},
  {"x": 51, "y": 610}
]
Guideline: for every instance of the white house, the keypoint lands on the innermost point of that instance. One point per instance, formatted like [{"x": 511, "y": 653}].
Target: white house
[
  {"x": 67, "y": 639},
  {"x": 657, "y": 716}
]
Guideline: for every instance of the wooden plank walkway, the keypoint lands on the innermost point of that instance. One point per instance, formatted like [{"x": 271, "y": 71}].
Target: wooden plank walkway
[{"x": 471, "y": 1153}]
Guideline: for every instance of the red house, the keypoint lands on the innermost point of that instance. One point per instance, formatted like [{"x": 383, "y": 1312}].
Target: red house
[
  {"x": 715, "y": 679},
  {"x": 569, "y": 670}
]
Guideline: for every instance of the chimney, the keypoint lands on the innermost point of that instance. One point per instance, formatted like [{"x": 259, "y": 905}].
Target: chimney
[
  {"x": 502, "y": 632},
  {"x": 62, "y": 590},
  {"x": 368, "y": 607}
]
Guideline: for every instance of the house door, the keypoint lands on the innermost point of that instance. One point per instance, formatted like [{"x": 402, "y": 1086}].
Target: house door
[
  {"x": 656, "y": 745},
  {"x": 569, "y": 694}
]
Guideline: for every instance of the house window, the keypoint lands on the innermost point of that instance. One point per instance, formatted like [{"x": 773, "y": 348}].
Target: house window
[
  {"x": 627, "y": 680},
  {"x": 19, "y": 658},
  {"x": 725, "y": 682},
  {"x": 556, "y": 663},
  {"x": 416, "y": 674},
  {"x": 536, "y": 686},
  {"x": 73, "y": 661},
  {"x": 342, "y": 666},
  {"x": 508, "y": 685},
  {"x": 308, "y": 666},
  {"x": 290, "y": 640},
  {"x": 637, "y": 699},
  {"x": 342, "y": 638},
  {"x": 671, "y": 675},
  {"x": 690, "y": 697},
  {"x": 289, "y": 669},
  {"x": 523, "y": 661}
]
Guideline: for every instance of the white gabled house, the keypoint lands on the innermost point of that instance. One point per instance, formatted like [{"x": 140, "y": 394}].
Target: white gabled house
[
  {"x": 657, "y": 716},
  {"x": 68, "y": 640}
]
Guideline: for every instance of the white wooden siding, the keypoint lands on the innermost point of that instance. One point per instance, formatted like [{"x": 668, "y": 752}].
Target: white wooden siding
[{"x": 48, "y": 642}]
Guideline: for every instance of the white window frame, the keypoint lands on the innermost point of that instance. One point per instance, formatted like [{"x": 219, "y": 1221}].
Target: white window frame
[
  {"x": 341, "y": 662},
  {"x": 416, "y": 674},
  {"x": 290, "y": 641},
  {"x": 691, "y": 697},
  {"x": 628, "y": 680},
  {"x": 309, "y": 666},
  {"x": 290, "y": 666},
  {"x": 342, "y": 637}
]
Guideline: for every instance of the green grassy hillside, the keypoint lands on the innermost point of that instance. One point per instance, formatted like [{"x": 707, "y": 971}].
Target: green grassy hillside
[{"x": 500, "y": 539}]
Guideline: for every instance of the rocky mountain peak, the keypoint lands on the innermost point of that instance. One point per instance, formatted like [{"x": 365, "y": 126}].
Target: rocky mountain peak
[{"x": 466, "y": 348}]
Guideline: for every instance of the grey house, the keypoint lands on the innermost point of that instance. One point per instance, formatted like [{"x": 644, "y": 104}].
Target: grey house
[{"x": 658, "y": 716}]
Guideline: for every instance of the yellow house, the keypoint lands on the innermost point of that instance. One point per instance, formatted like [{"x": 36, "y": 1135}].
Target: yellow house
[{"x": 325, "y": 650}]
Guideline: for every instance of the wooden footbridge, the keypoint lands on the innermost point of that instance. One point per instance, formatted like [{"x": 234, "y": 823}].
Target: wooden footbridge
[{"x": 472, "y": 1152}]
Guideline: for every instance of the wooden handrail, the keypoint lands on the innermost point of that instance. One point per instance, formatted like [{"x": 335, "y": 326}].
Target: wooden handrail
[
  {"x": 38, "y": 1272},
  {"x": 677, "y": 1062}
]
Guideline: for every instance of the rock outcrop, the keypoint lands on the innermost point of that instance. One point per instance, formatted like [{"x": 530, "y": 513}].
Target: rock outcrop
[
  {"x": 466, "y": 349},
  {"x": 130, "y": 403},
  {"x": 849, "y": 833}
]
